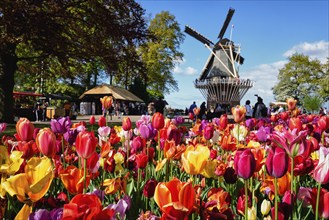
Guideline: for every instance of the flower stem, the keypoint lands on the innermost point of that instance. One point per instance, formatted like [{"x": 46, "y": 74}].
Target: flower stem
[
  {"x": 84, "y": 176},
  {"x": 317, "y": 202},
  {"x": 276, "y": 197},
  {"x": 246, "y": 199},
  {"x": 63, "y": 151}
]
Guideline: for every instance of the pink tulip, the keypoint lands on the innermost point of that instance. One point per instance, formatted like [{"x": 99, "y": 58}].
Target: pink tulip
[
  {"x": 244, "y": 163},
  {"x": 277, "y": 162},
  {"x": 24, "y": 129},
  {"x": 321, "y": 171},
  {"x": 46, "y": 142},
  {"x": 208, "y": 131}
]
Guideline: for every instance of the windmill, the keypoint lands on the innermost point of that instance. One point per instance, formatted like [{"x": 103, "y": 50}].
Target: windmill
[{"x": 219, "y": 81}]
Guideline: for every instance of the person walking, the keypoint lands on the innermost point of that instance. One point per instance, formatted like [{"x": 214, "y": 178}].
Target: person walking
[
  {"x": 37, "y": 110},
  {"x": 248, "y": 109},
  {"x": 160, "y": 104},
  {"x": 203, "y": 110},
  {"x": 260, "y": 110},
  {"x": 193, "y": 106}
]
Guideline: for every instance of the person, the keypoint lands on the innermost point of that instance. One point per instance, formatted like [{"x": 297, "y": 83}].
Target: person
[
  {"x": 248, "y": 109},
  {"x": 67, "y": 108},
  {"x": 218, "y": 110},
  {"x": 325, "y": 110},
  {"x": 160, "y": 104},
  {"x": 44, "y": 110},
  {"x": 280, "y": 110},
  {"x": 117, "y": 109},
  {"x": 203, "y": 110},
  {"x": 37, "y": 110},
  {"x": 260, "y": 110},
  {"x": 150, "y": 108},
  {"x": 193, "y": 106}
]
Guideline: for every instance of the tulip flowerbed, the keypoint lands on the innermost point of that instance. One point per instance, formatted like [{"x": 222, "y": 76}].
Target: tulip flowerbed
[{"x": 269, "y": 168}]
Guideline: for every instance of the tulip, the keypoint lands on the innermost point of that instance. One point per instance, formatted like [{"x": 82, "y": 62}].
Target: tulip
[
  {"x": 141, "y": 160},
  {"x": 46, "y": 142},
  {"x": 158, "y": 121},
  {"x": 85, "y": 144},
  {"x": 310, "y": 196},
  {"x": 102, "y": 121},
  {"x": 175, "y": 198},
  {"x": 60, "y": 125},
  {"x": 262, "y": 134},
  {"x": 277, "y": 162},
  {"x": 24, "y": 129},
  {"x": 295, "y": 123},
  {"x": 84, "y": 205},
  {"x": 218, "y": 205},
  {"x": 126, "y": 123},
  {"x": 120, "y": 208},
  {"x": 208, "y": 131},
  {"x": 3, "y": 127},
  {"x": 92, "y": 120},
  {"x": 106, "y": 102},
  {"x": 239, "y": 113},
  {"x": 265, "y": 207},
  {"x": 244, "y": 163},
  {"x": 194, "y": 159},
  {"x": 252, "y": 213},
  {"x": 230, "y": 176},
  {"x": 149, "y": 188},
  {"x": 147, "y": 131},
  {"x": 291, "y": 104},
  {"x": 321, "y": 171},
  {"x": 72, "y": 179},
  {"x": 323, "y": 123}
]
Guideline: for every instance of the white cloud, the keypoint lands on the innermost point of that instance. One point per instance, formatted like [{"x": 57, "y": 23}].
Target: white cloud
[
  {"x": 316, "y": 50},
  {"x": 180, "y": 69}
]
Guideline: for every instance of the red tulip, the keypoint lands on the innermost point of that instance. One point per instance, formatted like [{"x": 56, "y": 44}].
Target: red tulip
[
  {"x": 126, "y": 123},
  {"x": 92, "y": 120},
  {"x": 24, "y": 129},
  {"x": 191, "y": 116},
  {"x": 141, "y": 160},
  {"x": 295, "y": 123},
  {"x": 149, "y": 188},
  {"x": 244, "y": 163},
  {"x": 102, "y": 121},
  {"x": 82, "y": 206},
  {"x": 277, "y": 162},
  {"x": 223, "y": 122},
  {"x": 46, "y": 142},
  {"x": 239, "y": 113},
  {"x": 284, "y": 115},
  {"x": 85, "y": 144},
  {"x": 158, "y": 121},
  {"x": 323, "y": 122},
  {"x": 321, "y": 171}
]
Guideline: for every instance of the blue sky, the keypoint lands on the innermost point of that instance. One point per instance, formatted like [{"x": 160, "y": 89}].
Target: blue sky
[{"x": 267, "y": 31}]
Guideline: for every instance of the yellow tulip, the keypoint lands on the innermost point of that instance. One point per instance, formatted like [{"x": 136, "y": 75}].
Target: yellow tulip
[
  {"x": 194, "y": 159},
  {"x": 34, "y": 183},
  {"x": 10, "y": 164},
  {"x": 265, "y": 207},
  {"x": 209, "y": 169}
]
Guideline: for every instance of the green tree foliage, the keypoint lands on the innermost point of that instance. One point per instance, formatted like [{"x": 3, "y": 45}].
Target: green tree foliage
[
  {"x": 300, "y": 77},
  {"x": 312, "y": 103},
  {"x": 161, "y": 53},
  {"x": 63, "y": 37}
]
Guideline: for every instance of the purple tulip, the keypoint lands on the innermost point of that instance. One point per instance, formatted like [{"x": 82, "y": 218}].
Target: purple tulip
[
  {"x": 56, "y": 214},
  {"x": 71, "y": 135},
  {"x": 122, "y": 206},
  {"x": 147, "y": 131},
  {"x": 100, "y": 194},
  {"x": 244, "y": 163},
  {"x": 277, "y": 162},
  {"x": 179, "y": 120},
  {"x": 136, "y": 144},
  {"x": 41, "y": 214},
  {"x": 262, "y": 134},
  {"x": 60, "y": 125}
]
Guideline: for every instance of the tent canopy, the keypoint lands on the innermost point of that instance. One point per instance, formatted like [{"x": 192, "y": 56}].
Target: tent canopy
[{"x": 109, "y": 90}]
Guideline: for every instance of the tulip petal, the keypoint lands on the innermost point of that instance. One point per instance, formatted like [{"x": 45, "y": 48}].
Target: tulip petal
[
  {"x": 162, "y": 195},
  {"x": 24, "y": 212},
  {"x": 187, "y": 195}
]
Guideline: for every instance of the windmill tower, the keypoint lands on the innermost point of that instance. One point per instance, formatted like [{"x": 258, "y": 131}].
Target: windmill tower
[{"x": 219, "y": 81}]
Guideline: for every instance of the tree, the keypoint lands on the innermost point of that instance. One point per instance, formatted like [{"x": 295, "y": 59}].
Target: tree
[
  {"x": 70, "y": 32},
  {"x": 312, "y": 103},
  {"x": 298, "y": 78},
  {"x": 161, "y": 53}
]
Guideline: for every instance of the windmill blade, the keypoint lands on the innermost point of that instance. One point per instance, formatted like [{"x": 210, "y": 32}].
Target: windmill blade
[
  {"x": 226, "y": 23},
  {"x": 238, "y": 58},
  {"x": 198, "y": 36}
]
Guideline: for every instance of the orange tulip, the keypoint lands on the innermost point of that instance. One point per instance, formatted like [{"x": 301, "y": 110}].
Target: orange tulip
[
  {"x": 72, "y": 178},
  {"x": 239, "y": 112},
  {"x": 106, "y": 102},
  {"x": 46, "y": 142},
  {"x": 175, "y": 198},
  {"x": 283, "y": 185},
  {"x": 291, "y": 103},
  {"x": 24, "y": 129},
  {"x": 194, "y": 159},
  {"x": 228, "y": 142},
  {"x": 114, "y": 185}
]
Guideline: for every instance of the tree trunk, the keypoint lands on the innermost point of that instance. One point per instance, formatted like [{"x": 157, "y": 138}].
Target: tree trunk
[{"x": 8, "y": 61}]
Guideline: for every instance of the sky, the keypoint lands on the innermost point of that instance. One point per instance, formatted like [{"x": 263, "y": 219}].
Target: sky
[{"x": 268, "y": 32}]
